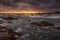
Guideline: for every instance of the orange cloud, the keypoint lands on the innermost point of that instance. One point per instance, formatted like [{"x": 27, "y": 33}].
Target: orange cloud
[{"x": 5, "y": 9}]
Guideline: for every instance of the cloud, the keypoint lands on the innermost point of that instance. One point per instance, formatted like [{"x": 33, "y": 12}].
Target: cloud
[{"x": 48, "y": 5}]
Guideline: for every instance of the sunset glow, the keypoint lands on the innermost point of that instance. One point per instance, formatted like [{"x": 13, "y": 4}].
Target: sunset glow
[
  {"x": 22, "y": 11},
  {"x": 5, "y": 9}
]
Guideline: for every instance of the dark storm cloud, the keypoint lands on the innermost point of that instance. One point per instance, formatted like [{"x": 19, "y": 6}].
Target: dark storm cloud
[
  {"x": 5, "y": 2},
  {"x": 49, "y": 5},
  {"x": 35, "y": 4}
]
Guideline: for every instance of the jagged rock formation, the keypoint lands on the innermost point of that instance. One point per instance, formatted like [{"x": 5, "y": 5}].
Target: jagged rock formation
[
  {"x": 9, "y": 18},
  {"x": 8, "y": 34},
  {"x": 43, "y": 23}
]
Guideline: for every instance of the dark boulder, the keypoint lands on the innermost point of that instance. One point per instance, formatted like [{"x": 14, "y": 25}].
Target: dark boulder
[
  {"x": 57, "y": 28},
  {"x": 42, "y": 23},
  {"x": 1, "y": 22},
  {"x": 10, "y": 18},
  {"x": 55, "y": 38}
]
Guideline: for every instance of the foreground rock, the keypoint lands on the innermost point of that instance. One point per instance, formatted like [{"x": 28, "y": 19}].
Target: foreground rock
[{"x": 8, "y": 34}]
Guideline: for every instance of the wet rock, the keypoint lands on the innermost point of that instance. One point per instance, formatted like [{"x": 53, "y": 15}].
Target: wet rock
[
  {"x": 10, "y": 18},
  {"x": 43, "y": 23},
  {"x": 8, "y": 34},
  {"x": 1, "y": 22},
  {"x": 55, "y": 38},
  {"x": 57, "y": 28}
]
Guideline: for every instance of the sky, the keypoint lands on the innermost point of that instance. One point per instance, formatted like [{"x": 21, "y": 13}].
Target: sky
[{"x": 39, "y": 5}]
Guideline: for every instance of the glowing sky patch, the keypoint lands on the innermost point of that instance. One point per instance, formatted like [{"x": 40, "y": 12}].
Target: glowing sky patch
[{"x": 21, "y": 6}]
